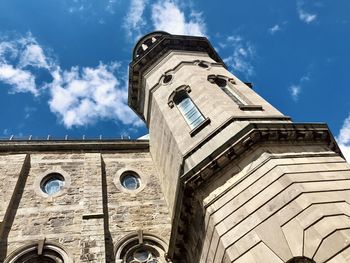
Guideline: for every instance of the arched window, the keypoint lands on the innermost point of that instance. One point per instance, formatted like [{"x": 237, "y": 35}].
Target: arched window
[
  {"x": 40, "y": 252},
  {"x": 222, "y": 82},
  {"x": 140, "y": 247},
  {"x": 188, "y": 109}
]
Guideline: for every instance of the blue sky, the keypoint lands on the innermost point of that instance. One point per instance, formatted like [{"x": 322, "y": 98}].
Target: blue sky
[{"x": 63, "y": 63}]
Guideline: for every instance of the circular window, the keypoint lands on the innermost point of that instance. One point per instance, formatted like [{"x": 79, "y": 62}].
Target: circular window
[
  {"x": 167, "y": 78},
  {"x": 130, "y": 181},
  {"x": 52, "y": 183}
]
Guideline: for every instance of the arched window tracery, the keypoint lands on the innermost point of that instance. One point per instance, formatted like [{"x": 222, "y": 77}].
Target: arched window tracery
[
  {"x": 140, "y": 247},
  {"x": 39, "y": 252}
]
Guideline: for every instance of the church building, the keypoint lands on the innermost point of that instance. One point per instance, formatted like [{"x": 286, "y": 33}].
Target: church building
[{"x": 224, "y": 177}]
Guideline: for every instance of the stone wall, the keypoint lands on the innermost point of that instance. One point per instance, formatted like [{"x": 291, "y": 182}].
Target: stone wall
[
  {"x": 277, "y": 203},
  {"x": 91, "y": 214}
]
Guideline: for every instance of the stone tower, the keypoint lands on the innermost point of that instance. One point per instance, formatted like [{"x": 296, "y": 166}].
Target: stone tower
[
  {"x": 243, "y": 183},
  {"x": 224, "y": 177}
]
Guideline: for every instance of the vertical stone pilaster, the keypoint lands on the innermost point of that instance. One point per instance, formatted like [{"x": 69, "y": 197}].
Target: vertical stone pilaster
[
  {"x": 14, "y": 171},
  {"x": 92, "y": 232},
  {"x": 12, "y": 174}
]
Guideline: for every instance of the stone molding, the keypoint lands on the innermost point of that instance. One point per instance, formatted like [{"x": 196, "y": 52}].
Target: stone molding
[
  {"x": 40, "y": 245},
  {"x": 251, "y": 136},
  {"x": 143, "y": 180},
  {"x": 139, "y": 237},
  {"x": 256, "y": 133},
  {"x": 27, "y": 146},
  {"x": 39, "y": 178}
]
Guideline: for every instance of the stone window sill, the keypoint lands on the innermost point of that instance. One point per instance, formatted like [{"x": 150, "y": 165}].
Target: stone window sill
[{"x": 200, "y": 127}]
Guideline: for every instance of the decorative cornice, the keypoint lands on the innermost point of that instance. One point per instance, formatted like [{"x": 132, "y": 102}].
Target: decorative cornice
[
  {"x": 19, "y": 146},
  {"x": 231, "y": 120},
  {"x": 257, "y": 133},
  {"x": 251, "y": 136}
]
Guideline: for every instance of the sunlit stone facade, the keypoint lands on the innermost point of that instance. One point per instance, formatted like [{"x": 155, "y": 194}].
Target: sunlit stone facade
[{"x": 224, "y": 177}]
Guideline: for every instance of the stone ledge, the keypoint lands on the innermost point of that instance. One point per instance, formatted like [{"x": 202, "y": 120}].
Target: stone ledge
[
  {"x": 253, "y": 134},
  {"x": 22, "y": 146}
]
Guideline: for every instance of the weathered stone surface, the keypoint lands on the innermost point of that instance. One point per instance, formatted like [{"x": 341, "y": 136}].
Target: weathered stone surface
[
  {"x": 92, "y": 214},
  {"x": 246, "y": 185}
]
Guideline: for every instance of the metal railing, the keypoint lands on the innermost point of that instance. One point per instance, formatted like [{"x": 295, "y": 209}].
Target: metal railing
[{"x": 64, "y": 138}]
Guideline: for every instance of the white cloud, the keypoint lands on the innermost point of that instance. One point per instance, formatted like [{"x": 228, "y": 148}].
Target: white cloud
[
  {"x": 15, "y": 57},
  {"x": 242, "y": 55},
  {"x": 80, "y": 97},
  {"x": 295, "y": 89},
  {"x": 343, "y": 138},
  {"x": 304, "y": 15},
  {"x": 134, "y": 20},
  {"x": 19, "y": 80},
  {"x": 28, "y": 111},
  {"x": 167, "y": 16},
  {"x": 8, "y": 50},
  {"x": 234, "y": 39},
  {"x": 110, "y": 6},
  {"x": 33, "y": 55},
  {"x": 274, "y": 29}
]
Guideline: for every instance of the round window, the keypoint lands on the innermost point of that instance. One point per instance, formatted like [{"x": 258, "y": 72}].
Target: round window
[
  {"x": 130, "y": 181},
  {"x": 52, "y": 183}
]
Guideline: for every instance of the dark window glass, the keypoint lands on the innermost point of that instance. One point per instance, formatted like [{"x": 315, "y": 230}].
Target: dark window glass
[
  {"x": 167, "y": 78},
  {"x": 203, "y": 65},
  {"x": 300, "y": 260},
  {"x": 130, "y": 181},
  {"x": 52, "y": 183},
  {"x": 144, "y": 255}
]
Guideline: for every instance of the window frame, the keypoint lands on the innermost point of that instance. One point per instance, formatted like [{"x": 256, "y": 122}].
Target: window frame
[
  {"x": 239, "y": 99},
  {"x": 184, "y": 90},
  {"x": 41, "y": 178},
  {"x": 42, "y": 248},
  {"x": 130, "y": 243},
  {"x": 144, "y": 178}
]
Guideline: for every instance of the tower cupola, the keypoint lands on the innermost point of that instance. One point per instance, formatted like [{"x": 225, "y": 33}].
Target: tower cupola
[{"x": 149, "y": 50}]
